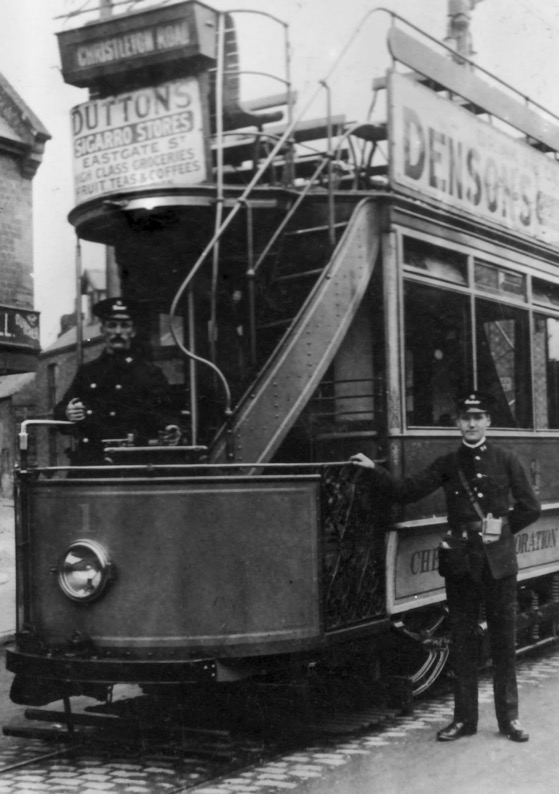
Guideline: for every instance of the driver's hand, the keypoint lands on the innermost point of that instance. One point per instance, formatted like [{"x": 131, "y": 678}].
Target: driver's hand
[
  {"x": 75, "y": 410},
  {"x": 171, "y": 436}
]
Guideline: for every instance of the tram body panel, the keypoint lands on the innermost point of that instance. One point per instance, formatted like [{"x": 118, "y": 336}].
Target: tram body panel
[
  {"x": 419, "y": 449},
  {"x": 227, "y": 566},
  {"x": 412, "y": 573}
]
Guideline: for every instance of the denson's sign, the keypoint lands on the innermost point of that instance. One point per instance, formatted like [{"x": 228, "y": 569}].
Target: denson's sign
[{"x": 444, "y": 152}]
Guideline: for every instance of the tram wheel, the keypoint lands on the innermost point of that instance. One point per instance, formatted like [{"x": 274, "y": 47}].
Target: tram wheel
[{"x": 419, "y": 649}]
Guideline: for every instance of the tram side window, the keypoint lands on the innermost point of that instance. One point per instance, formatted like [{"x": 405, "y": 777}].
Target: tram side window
[
  {"x": 503, "y": 361},
  {"x": 441, "y": 263},
  {"x": 546, "y": 355},
  {"x": 438, "y": 361},
  {"x": 546, "y": 371}
]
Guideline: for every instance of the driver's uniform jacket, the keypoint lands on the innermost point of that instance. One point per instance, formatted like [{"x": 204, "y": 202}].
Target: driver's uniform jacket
[
  {"x": 123, "y": 394},
  {"x": 497, "y": 481}
]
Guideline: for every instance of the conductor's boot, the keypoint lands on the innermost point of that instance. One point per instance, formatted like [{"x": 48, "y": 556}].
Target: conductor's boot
[{"x": 455, "y": 731}]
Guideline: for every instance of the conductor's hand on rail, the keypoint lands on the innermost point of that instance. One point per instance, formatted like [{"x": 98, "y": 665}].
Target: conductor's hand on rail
[
  {"x": 75, "y": 410},
  {"x": 362, "y": 460}
]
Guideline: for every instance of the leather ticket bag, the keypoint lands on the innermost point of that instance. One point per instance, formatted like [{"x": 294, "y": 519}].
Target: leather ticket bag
[{"x": 453, "y": 556}]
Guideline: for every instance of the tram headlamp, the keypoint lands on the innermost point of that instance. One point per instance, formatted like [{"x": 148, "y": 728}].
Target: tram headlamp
[{"x": 84, "y": 571}]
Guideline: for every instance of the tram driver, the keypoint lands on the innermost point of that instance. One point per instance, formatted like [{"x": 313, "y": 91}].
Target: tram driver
[
  {"x": 477, "y": 557},
  {"x": 120, "y": 394}
]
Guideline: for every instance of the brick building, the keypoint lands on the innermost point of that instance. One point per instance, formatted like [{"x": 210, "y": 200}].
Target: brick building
[{"x": 22, "y": 142}]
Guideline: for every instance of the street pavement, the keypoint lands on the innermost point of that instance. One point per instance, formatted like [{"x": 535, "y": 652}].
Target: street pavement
[
  {"x": 403, "y": 758},
  {"x": 407, "y": 759}
]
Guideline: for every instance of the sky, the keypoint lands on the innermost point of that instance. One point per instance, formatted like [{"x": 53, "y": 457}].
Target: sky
[{"x": 515, "y": 40}]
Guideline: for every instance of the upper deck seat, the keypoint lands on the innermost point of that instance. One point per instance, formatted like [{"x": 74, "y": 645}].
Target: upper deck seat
[{"x": 235, "y": 115}]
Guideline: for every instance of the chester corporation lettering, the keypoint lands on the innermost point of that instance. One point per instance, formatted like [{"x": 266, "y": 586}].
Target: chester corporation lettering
[
  {"x": 536, "y": 540},
  {"x": 426, "y": 560}
]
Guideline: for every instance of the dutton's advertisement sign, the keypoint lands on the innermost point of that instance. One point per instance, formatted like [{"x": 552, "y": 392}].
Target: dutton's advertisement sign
[
  {"x": 443, "y": 152},
  {"x": 140, "y": 139}
]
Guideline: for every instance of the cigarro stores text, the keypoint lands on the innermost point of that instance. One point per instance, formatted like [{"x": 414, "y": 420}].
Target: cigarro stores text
[{"x": 139, "y": 139}]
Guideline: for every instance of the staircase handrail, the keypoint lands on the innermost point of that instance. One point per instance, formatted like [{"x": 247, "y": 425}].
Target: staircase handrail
[{"x": 241, "y": 201}]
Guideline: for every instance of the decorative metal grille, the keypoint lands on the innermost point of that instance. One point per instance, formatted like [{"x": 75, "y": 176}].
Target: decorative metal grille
[{"x": 353, "y": 550}]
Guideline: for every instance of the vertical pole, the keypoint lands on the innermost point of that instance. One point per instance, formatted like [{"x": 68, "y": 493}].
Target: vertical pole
[
  {"x": 192, "y": 370},
  {"x": 394, "y": 407},
  {"x": 219, "y": 190},
  {"x": 113, "y": 284},
  {"x": 251, "y": 283},
  {"x": 105, "y": 8},
  {"x": 458, "y": 30},
  {"x": 331, "y": 205},
  {"x": 79, "y": 318},
  {"x": 111, "y": 270},
  {"x": 290, "y": 153}
]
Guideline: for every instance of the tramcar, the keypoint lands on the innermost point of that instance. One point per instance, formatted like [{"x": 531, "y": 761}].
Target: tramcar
[{"x": 318, "y": 287}]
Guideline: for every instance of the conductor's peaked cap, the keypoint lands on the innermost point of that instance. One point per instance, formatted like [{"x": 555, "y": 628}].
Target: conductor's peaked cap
[
  {"x": 475, "y": 402},
  {"x": 116, "y": 308}
]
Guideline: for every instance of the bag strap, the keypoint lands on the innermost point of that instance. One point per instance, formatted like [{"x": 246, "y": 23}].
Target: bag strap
[{"x": 468, "y": 490}]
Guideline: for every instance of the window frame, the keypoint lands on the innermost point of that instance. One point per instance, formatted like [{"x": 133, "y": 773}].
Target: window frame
[{"x": 514, "y": 262}]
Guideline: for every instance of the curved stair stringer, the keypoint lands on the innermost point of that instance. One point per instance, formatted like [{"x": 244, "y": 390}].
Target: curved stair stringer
[{"x": 289, "y": 377}]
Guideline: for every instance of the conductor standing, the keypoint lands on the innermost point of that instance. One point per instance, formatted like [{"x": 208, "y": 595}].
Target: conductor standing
[{"x": 489, "y": 499}]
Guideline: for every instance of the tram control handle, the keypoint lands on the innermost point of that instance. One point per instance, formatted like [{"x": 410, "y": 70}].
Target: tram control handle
[{"x": 119, "y": 445}]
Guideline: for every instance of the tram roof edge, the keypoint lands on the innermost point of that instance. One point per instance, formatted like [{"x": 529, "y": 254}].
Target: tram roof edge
[{"x": 459, "y": 79}]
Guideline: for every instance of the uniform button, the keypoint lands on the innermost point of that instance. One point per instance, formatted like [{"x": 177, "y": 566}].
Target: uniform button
[
  {"x": 85, "y": 440},
  {"x": 112, "y": 413},
  {"x": 89, "y": 412},
  {"x": 92, "y": 385},
  {"x": 477, "y": 457},
  {"x": 128, "y": 360},
  {"x": 118, "y": 386},
  {"x": 480, "y": 495},
  {"x": 479, "y": 476}
]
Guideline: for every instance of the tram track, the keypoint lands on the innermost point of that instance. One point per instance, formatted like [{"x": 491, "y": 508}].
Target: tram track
[{"x": 195, "y": 758}]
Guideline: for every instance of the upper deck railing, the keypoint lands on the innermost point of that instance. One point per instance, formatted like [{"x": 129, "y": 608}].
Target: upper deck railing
[{"x": 432, "y": 62}]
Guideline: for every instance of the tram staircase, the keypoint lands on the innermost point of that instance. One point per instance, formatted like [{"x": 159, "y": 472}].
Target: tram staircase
[{"x": 286, "y": 380}]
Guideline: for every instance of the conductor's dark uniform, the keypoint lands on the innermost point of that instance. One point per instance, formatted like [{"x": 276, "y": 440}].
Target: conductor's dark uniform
[
  {"x": 476, "y": 571},
  {"x": 122, "y": 394}
]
